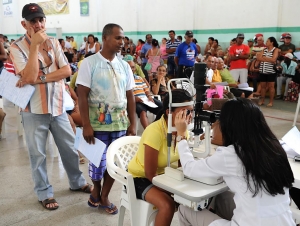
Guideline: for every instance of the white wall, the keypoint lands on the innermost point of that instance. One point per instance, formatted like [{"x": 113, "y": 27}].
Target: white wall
[{"x": 220, "y": 19}]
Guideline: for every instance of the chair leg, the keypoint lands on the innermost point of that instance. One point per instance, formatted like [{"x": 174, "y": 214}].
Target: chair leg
[{"x": 121, "y": 215}]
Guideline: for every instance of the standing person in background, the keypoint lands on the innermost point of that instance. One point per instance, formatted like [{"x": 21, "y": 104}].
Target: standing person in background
[
  {"x": 198, "y": 47},
  {"x": 267, "y": 73},
  {"x": 250, "y": 44},
  {"x": 138, "y": 49},
  {"x": 215, "y": 48},
  {"x": 179, "y": 38},
  {"x": 132, "y": 46},
  {"x": 239, "y": 53},
  {"x": 287, "y": 47},
  {"x": 46, "y": 71},
  {"x": 104, "y": 87},
  {"x": 153, "y": 56},
  {"x": 163, "y": 50},
  {"x": 145, "y": 48},
  {"x": 171, "y": 47},
  {"x": 126, "y": 49},
  {"x": 185, "y": 56}
]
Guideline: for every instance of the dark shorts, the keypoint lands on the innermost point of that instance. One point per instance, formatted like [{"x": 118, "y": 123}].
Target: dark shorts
[
  {"x": 143, "y": 107},
  {"x": 237, "y": 92},
  {"x": 142, "y": 186},
  {"x": 267, "y": 77}
]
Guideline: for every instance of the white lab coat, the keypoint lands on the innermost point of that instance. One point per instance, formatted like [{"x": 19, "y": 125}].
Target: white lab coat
[{"x": 261, "y": 210}]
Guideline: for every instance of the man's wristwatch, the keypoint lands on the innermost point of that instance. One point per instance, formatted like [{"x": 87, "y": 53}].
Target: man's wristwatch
[
  {"x": 180, "y": 138},
  {"x": 43, "y": 78}
]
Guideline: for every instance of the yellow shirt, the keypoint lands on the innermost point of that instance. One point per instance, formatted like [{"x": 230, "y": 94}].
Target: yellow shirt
[
  {"x": 216, "y": 76},
  {"x": 74, "y": 45},
  {"x": 155, "y": 136}
]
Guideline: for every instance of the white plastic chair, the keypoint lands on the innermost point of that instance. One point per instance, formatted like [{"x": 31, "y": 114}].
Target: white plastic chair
[{"x": 119, "y": 153}]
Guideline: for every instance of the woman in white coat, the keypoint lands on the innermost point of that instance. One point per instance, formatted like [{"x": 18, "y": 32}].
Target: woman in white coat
[{"x": 253, "y": 164}]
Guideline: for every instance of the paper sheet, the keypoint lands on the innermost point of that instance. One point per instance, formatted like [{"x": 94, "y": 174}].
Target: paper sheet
[
  {"x": 292, "y": 139},
  {"x": 243, "y": 85},
  {"x": 8, "y": 89},
  {"x": 297, "y": 54},
  {"x": 148, "y": 102},
  {"x": 220, "y": 83},
  {"x": 93, "y": 152}
]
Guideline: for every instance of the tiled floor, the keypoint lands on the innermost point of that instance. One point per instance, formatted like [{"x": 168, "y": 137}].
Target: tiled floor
[{"x": 19, "y": 205}]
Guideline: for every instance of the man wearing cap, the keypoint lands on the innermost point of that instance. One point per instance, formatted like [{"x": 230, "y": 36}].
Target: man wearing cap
[
  {"x": 287, "y": 47},
  {"x": 185, "y": 56},
  {"x": 238, "y": 55},
  {"x": 250, "y": 44},
  {"x": 40, "y": 61},
  {"x": 288, "y": 67}
]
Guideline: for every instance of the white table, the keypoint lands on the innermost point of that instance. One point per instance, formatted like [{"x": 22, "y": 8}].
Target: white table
[{"x": 188, "y": 192}]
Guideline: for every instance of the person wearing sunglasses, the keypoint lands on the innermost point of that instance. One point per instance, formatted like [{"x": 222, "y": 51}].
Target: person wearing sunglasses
[{"x": 33, "y": 56}]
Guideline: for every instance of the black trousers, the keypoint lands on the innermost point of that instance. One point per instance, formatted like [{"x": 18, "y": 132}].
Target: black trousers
[{"x": 184, "y": 71}]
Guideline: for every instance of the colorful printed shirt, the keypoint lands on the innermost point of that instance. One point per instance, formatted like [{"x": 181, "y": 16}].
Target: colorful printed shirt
[{"x": 108, "y": 82}]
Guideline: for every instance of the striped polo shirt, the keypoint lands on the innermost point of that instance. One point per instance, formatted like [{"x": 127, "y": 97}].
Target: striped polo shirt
[
  {"x": 171, "y": 45},
  {"x": 267, "y": 67},
  {"x": 140, "y": 88},
  {"x": 47, "y": 97}
]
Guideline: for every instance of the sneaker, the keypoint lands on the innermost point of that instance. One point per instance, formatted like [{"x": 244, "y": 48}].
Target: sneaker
[{"x": 278, "y": 97}]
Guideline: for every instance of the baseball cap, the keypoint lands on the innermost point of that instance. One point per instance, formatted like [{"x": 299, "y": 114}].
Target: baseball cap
[
  {"x": 31, "y": 11},
  {"x": 240, "y": 35},
  {"x": 285, "y": 35},
  {"x": 250, "y": 40},
  {"x": 189, "y": 33},
  {"x": 289, "y": 55}
]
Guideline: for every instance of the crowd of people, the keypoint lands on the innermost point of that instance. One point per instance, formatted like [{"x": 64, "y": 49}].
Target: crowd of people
[{"x": 113, "y": 81}]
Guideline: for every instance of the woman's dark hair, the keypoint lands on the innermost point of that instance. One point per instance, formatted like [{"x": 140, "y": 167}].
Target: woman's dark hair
[
  {"x": 165, "y": 39},
  {"x": 211, "y": 38},
  {"x": 60, "y": 40},
  {"x": 126, "y": 38},
  {"x": 161, "y": 66},
  {"x": 266, "y": 166},
  {"x": 195, "y": 41},
  {"x": 88, "y": 54},
  {"x": 96, "y": 39},
  {"x": 233, "y": 40},
  {"x": 217, "y": 41},
  {"x": 154, "y": 42},
  {"x": 91, "y": 35},
  {"x": 274, "y": 41},
  {"x": 178, "y": 96}
]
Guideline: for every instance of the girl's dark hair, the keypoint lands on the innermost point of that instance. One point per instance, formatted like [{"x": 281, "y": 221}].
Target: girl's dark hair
[
  {"x": 217, "y": 41},
  {"x": 154, "y": 42},
  {"x": 91, "y": 35},
  {"x": 266, "y": 166},
  {"x": 274, "y": 41},
  {"x": 211, "y": 38},
  {"x": 178, "y": 96}
]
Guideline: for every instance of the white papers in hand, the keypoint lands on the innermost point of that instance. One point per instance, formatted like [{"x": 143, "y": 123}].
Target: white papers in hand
[
  {"x": 292, "y": 139},
  {"x": 93, "y": 152},
  {"x": 148, "y": 102},
  {"x": 245, "y": 86},
  {"x": 8, "y": 89}
]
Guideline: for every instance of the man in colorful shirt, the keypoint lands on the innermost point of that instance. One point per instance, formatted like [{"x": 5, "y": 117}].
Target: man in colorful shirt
[
  {"x": 41, "y": 62},
  {"x": 104, "y": 87}
]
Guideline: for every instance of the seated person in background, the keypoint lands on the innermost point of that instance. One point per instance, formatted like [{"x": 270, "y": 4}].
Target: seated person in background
[
  {"x": 141, "y": 92},
  {"x": 252, "y": 163},
  {"x": 227, "y": 77},
  {"x": 294, "y": 87},
  {"x": 287, "y": 47},
  {"x": 74, "y": 64},
  {"x": 215, "y": 48},
  {"x": 151, "y": 159},
  {"x": 8, "y": 64},
  {"x": 138, "y": 70},
  {"x": 288, "y": 67},
  {"x": 159, "y": 84},
  {"x": 2, "y": 116},
  {"x": 74, "y": 116}
]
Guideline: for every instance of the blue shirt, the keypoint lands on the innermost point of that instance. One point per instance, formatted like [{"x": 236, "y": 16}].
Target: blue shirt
[
  {"x": 186, "y": 54},
  {"x": 291, "y": 70},
  {"x": 144, "y": 50}
]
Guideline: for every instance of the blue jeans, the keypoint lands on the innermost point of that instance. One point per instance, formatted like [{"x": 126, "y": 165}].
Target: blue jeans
[
  {"x": 36, "y": 127},
  {"x": 172, "y": 67}
]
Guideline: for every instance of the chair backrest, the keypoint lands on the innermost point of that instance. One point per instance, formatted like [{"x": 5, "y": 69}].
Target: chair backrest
[
  {"x": 127, "y": 147},
  {"x": 119, "y": 153}
]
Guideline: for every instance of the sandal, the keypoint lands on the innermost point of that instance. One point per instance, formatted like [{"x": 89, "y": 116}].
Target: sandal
[
  {"x": 110, "y": 208},
  {"x": 260, "y": 103},
  {"x": 86, "y": 188},
  {"x": 49, "y": 201},
  {"x": 270, "y": 105},
  {"x": 92, "y": 202}
]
